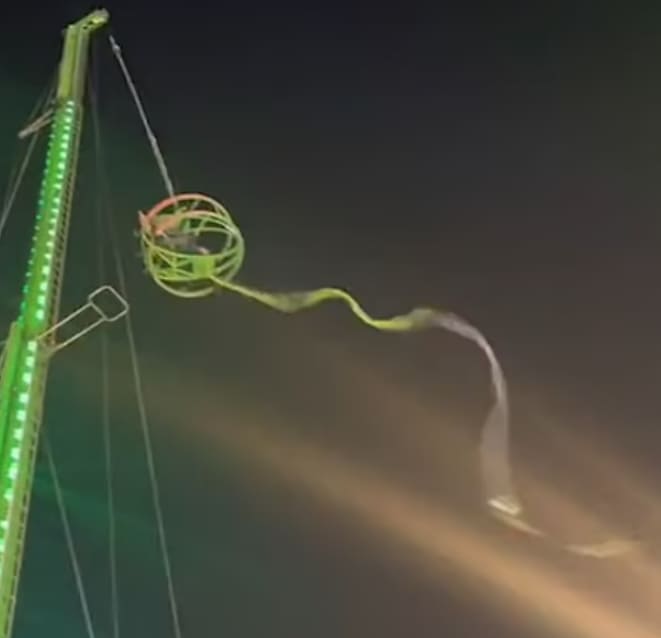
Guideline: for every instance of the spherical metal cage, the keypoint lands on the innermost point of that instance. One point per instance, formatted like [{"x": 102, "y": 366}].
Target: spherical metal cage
[{"x": 189, "y": 243}]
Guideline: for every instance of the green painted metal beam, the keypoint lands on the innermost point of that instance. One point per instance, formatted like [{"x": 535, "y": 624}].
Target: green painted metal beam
[{"x": 25, "y": 366}]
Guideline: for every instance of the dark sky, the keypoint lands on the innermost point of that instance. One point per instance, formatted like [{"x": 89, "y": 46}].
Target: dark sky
[{"x": 498, "y": 159}]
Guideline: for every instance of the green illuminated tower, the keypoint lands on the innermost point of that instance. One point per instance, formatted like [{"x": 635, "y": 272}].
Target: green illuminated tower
[{"x": 31, "y": 337}]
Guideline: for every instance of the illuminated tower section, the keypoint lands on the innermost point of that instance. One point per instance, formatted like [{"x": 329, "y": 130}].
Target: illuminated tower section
[{"x": 25, "y": 362}]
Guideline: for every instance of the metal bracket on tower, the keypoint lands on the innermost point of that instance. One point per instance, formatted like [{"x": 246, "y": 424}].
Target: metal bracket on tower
[
  {"x": 33, "y": 127},
  {"x": 93, "y": 305}
]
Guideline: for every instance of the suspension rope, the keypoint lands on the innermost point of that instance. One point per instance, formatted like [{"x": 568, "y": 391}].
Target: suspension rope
[
  {"x": 105, "y": 378},
  {"x": 160, "y": 160},
  {"x": 142, "y": 410},
  {"x": 16, "y": 177},
  {"x": 73, "y": 555},
  {"x": 12, "y": 191},
  {"x": 146, "y": 432},
  {"x": 112, "y": 525}
]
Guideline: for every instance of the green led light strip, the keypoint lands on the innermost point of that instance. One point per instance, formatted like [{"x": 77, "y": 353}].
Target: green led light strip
[{"x": 52, "y": 202}]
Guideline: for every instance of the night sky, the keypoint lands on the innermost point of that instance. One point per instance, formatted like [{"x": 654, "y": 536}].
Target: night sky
[{"x": 320, "y": 480}]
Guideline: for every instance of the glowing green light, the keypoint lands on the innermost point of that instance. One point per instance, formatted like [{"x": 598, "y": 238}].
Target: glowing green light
[
  {"x": 23, "y": 398},
  {"x": 32, "y": 346},
  {"x": 40, "y": 315},
  {"x": 13, "y": 472},
  {"x": 15, "y": 453},
  {"x": 27, "y": 377},
  {"x": 21, "y": 415}
]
